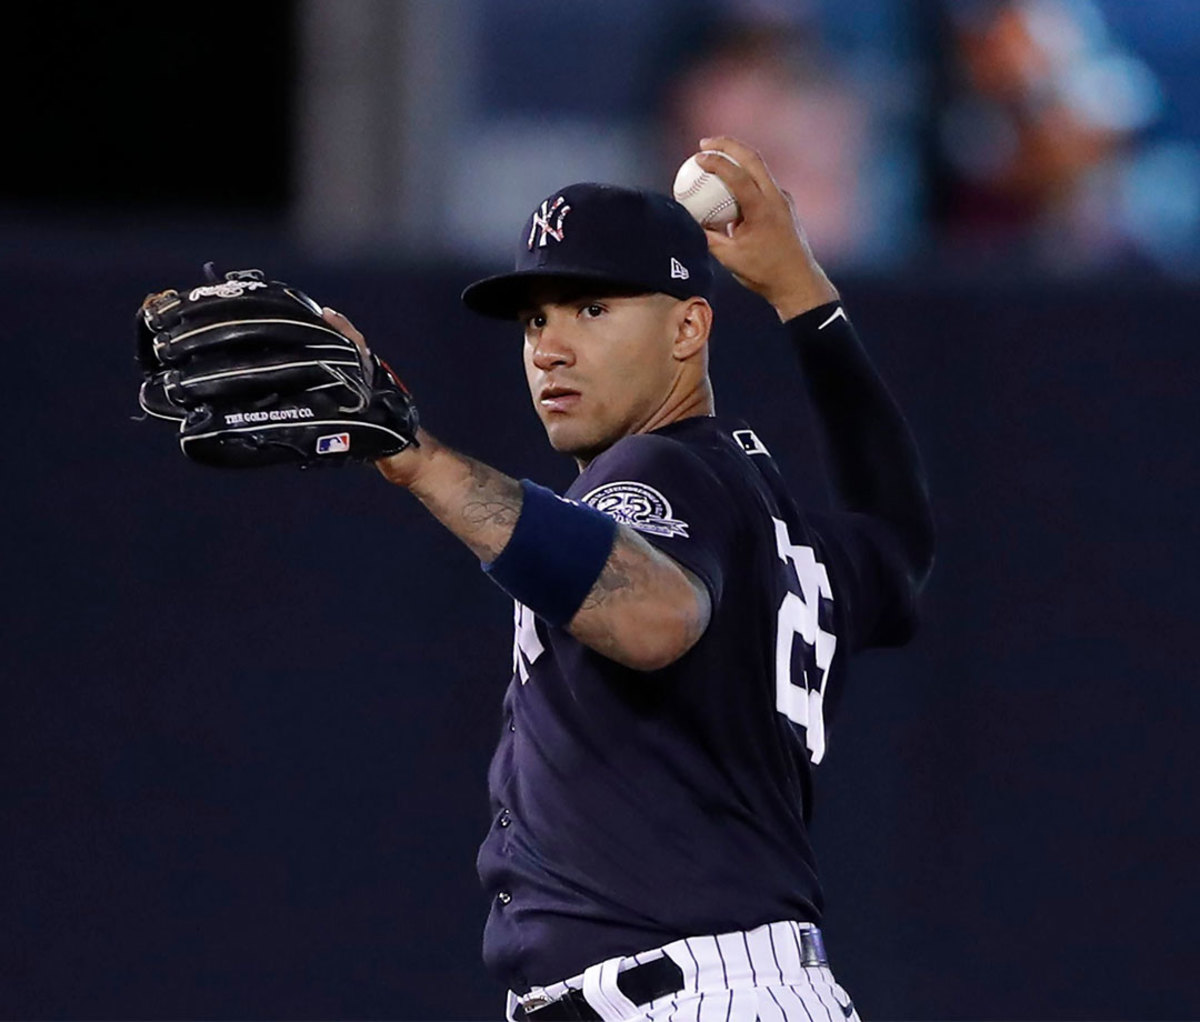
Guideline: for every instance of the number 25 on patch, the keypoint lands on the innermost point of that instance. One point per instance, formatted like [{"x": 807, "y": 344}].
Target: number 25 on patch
[{"x": 801, "y": 699}]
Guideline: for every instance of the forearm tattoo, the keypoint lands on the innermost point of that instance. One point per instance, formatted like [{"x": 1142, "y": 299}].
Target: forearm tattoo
[
  {"x": 481, "y": 510},
  {"x": 491, "y": 509},
  {"x": 494, "y": 497}
]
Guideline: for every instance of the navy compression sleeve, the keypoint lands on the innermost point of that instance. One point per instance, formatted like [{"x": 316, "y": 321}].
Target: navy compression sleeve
[{"x": 870, "y": 452}]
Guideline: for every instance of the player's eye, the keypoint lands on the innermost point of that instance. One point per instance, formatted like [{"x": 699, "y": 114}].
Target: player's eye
[
  {"x": 535, "y": 321},
  {"x": 594, "y": 310}
]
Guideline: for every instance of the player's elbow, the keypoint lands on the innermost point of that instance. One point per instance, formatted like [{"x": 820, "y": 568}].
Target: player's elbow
[{"x": 649, "y": 656}]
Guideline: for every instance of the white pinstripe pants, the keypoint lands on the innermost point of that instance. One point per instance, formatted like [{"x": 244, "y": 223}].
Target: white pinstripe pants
[{"x": 745, "y": 976}]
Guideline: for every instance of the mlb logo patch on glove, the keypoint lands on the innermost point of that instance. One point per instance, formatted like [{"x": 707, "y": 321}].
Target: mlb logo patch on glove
[{"x": 338, "y": 443}]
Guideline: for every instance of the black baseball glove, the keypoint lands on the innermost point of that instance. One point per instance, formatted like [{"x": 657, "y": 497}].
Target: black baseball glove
[{"x": 255, "y": 376}]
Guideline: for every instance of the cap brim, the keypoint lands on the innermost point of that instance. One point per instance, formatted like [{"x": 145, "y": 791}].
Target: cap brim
[{"x": 505, "y": 295}]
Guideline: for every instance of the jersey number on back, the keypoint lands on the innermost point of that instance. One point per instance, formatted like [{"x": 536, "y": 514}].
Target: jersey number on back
[{"x": 801, "y": 699}]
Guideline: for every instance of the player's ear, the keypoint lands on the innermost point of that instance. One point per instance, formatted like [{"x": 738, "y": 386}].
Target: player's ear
[{"x": 693, "y": 322}]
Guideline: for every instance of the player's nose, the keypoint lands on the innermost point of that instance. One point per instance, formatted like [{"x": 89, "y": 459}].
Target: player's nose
[{"x": 552, "y": 345}]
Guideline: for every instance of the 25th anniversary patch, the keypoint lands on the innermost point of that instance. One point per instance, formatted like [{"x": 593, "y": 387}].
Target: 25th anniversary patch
[{"x": 637, "y": 505}]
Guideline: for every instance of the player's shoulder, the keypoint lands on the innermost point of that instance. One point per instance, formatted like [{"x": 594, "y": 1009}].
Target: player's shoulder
[
  {"x": 694, "y": 462},
  {"x": 691, "y": 449},
  {"x": 672, "y": 484}
]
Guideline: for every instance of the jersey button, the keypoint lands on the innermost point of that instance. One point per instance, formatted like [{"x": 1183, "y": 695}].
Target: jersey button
[
  {"x": 504, "y": 897},
  {"x": 505, "y": 817}
]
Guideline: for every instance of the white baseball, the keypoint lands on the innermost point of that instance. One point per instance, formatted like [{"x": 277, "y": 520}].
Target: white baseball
[{"x": 705, "y": 195}]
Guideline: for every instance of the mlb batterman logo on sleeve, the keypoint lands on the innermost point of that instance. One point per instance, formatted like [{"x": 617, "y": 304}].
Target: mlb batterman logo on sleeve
[{"x": 635, "y": 240}]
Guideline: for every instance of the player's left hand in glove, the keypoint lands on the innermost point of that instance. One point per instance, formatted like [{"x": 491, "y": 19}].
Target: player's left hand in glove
[{"x": 255, "y": 375}]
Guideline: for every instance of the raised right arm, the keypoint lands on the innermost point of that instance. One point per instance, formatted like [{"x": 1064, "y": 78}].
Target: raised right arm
[{"x": 870, "y": 452}]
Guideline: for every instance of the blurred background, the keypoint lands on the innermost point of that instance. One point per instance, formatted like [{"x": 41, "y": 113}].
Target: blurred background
[{"x": 246, "y": 719}]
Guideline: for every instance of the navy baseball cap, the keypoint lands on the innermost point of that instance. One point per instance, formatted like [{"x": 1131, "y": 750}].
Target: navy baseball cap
[{"x": 635, "y": 240}]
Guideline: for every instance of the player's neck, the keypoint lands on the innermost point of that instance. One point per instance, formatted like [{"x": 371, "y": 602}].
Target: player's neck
[
  {"x": 680, "y": 403},
  {"x": 686, "y": 399}
]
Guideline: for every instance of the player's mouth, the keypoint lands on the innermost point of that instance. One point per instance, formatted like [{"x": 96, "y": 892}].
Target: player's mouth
[{"x": 554, "y": 398}]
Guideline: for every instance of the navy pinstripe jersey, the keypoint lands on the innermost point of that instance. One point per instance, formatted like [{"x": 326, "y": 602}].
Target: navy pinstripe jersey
[{"x": 633, "y": 808}]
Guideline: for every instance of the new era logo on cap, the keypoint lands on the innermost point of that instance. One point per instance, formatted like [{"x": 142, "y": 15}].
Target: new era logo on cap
[
  {"x": 678, "y": 270},
  {"x": 334, "y": 443}
]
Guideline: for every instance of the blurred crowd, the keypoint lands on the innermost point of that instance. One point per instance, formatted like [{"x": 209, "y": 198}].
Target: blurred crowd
[
  {"x": 1033, "y": 128},
  {"x": 1058, "y": 135},
  {"x": 1027, "y": 132},
  {"x": 1045, "y": 144}
]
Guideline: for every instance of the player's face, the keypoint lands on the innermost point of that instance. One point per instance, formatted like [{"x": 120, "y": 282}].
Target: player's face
[{"x": 601, "y": 367}]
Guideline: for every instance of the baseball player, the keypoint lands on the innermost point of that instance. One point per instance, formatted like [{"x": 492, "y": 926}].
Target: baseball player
[{"x": 682, "y": 627}]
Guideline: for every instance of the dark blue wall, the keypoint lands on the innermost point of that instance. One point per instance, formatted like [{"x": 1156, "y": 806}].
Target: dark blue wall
[{"x": 247, "y": 717}]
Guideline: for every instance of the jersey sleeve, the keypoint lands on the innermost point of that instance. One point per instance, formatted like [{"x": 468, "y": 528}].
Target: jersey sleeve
[
  {"x": 669, "y": 496},
  {"x": 874, "y": 590},
  {"x": 870, "y": 451}
]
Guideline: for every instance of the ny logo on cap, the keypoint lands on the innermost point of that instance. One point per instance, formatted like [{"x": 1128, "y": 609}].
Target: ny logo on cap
[{"x": 542, "y": 218}]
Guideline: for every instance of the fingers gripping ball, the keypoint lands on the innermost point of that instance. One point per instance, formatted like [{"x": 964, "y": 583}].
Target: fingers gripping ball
[
  {"x": 705, "y": 195},
  {"x": 253, "y": 375}
]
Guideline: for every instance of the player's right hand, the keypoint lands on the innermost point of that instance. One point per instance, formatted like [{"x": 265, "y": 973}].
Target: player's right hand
[{"x": 767, "y": 250}]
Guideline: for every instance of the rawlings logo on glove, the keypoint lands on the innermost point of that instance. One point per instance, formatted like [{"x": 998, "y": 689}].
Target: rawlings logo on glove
[
  {"x": 230, "y": 289},
  {"x": 254, "y": 375}
]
